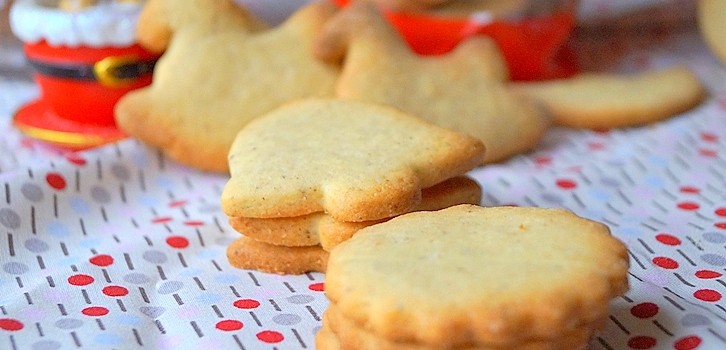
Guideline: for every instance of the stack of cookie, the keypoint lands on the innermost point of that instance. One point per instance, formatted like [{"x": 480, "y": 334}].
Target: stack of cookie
[
  {"x": 308, "y": 175},
  {"x": 469, "y": 277}
]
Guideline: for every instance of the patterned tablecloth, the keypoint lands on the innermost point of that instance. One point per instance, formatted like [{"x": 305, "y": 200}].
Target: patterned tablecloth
[{"x": 121, "y": 248}]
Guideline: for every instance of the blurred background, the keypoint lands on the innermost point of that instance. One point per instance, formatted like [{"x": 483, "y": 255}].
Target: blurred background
[
  {"x": 12, "y": 62},
  {"x": 606, "y": 29}
]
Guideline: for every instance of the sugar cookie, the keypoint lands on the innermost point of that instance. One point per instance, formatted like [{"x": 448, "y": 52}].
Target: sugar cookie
[
  {"x": 473, "y": 275},
  {"x": 355, "y": 161},
  {"x": 606, "y": 100},
  {"x": 207, "y": 87}
]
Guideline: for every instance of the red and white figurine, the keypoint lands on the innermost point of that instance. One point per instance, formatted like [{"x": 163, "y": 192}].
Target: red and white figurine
[{"x": 85, "y": 57}]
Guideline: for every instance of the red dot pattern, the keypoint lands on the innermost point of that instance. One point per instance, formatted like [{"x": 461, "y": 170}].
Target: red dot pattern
[
  {"x": 690, "y": 190},
  {"x": 179, "y": 203},
  {"x": 317, "y": 287},
  {"x": 161, "y": 220},
  {"x": 270, "y": 337},
  {"x": 566, "y": 184},
  {"x": 642, "y": 342},
  {"x": 115, "y": 291},
  {"x": 595, "y": 146},
  {"x": 708, "y": 295},
  {"x": 229, "y": 325},
  {"x": 80, "y": 280},
  {"x": 709, "y": 137},
  {"x": 665, "y": 262},
  {"x": 668, "y": 239},
  {"x": 687, "y": 343},
  {"x": 76, "y": 159},
  {"x": 10, "y": 324},
  {"x": 720, "y": 211},
  {"x": 101, "y": 260},
  {"x": 708, "y": 274},
  {"x": 246, "y": 303},
  {"x": 688, "y": 206},
  {"x": 95, "y": 311},
  {"x": 543, "y": 160},
  {"x": 721, "y": 225},
  {"x": 644, "y": 310},
  {"x": 56, "y": 181},
  {"x": 178, "y": 242},
  {"x": 708, "y": 153}
]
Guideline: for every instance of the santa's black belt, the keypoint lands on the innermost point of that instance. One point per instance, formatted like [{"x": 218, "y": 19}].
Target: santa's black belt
[{"x": 113, "y": 71}]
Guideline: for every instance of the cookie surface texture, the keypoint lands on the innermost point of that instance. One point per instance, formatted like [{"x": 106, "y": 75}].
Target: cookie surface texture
[
  {"x": 246, "y": 253},
  {"x": 473, "y": 275},
  {"x": 207, "y": 88},
  {"x": 712, "y": 24},
  {"x": 603, "y": 100},
  {"x": 464, "y": 90},
  {"x": 352, "y": 160}
]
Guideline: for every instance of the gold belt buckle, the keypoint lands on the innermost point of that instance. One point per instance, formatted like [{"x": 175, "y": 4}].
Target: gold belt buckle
[{"x": 105, "y": 70}]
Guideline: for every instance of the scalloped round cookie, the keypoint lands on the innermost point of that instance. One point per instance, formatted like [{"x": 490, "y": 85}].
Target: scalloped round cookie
[{"x": 474, "y": 275}]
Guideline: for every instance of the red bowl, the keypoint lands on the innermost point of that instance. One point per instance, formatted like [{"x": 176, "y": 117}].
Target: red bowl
[{"x": 535, "y": 48}]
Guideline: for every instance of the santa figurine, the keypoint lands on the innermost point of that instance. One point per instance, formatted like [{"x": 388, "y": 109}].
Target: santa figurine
[{"x": 85, "y": 57}]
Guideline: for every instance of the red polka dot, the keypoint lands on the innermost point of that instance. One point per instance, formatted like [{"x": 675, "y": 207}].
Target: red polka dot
[
  {"x": 566, "y": 184},
  {"x": 709, "y": 295},
  {"x": 708, "y": 153},
  {"x": 720, "y": 225},
  {"x": 543, "y": 160},
  {"x": 595, "y": 146},
  {"x": 55, "y": 181},
  {"x": 709, "y": 137},
  {"x": 690, "y": 190},
  {"x": 665, "y": 262},
  {"x": 95, "y": 311},
  {"x": 641, "y": 342},
  {"x": 229, "y": 325},
  {"x": 707, "y": 274},
  {"x": 80, "y": 280},
  {"x": 177, "y": 242},
  {"x": 246, "y": 303},
  {"x": 10, "y": 324},
  {"x": 76, "y": 159},
  {"x": 688, "y": 206},
  {"x": 161, "y": 220},
  {"x": 270, "y": 336},
  {"x": 687, "y": 343},
  {"x": 101, "y": 260},
  {"x": 668, "y": 239},
  {"x": 644, "y": 310},
  {"x": 194, "y": 223},
  {"x": 115, "y": 291},
  {"x": 180, "y": 203},
  {"x": 317, "y": 287},
  {"x": 720, "y": 211}
]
